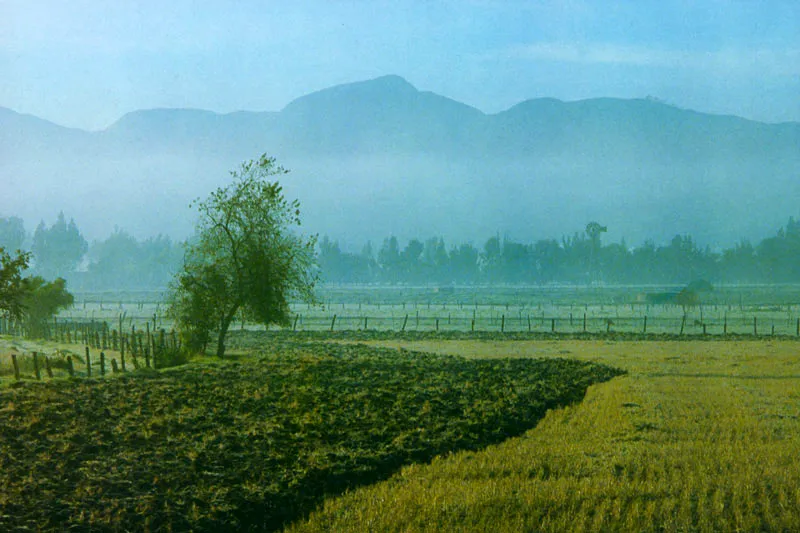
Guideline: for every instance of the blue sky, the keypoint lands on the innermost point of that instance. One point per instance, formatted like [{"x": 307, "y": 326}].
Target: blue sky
[{"x": 85, "y": 63}]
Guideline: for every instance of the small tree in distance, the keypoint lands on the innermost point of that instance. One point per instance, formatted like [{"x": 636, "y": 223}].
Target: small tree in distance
[
  {"x": 30, "y": 299},
  {"x": 12, "y": 291},
  {"x": 245, "y": 259}
]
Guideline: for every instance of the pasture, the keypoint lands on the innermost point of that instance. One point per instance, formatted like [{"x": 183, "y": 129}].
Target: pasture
[{"x": 698, "y": 436}]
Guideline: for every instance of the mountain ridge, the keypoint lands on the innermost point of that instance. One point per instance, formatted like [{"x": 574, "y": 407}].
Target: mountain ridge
[
  {"x": 399, "y": 82},
  {"x": 380, "y": 157}
]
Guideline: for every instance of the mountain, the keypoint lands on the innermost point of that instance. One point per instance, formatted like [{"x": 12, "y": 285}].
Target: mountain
[{"x": 379, "y": 157}]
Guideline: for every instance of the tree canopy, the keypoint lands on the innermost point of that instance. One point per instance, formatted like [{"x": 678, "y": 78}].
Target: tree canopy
[
  {"x": 12, "y": 290},
  {"x": 59, "y": 248},
  {"x": 245, "y": 260},
  {"x": 41, "y": 300},
  {"x": 12, "y": 233},
  {"x": 30, "y": 299}
]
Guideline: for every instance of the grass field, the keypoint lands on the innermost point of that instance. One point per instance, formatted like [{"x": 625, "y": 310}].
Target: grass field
[{"x": 699, "y": 436}]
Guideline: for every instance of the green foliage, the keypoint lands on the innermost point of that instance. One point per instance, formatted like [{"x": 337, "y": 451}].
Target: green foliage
[
  {"x": 121, "y": 262},
  {"x": 12, "y": 233},
  {"x": 245, "y": 259},
  {"x": 173, "y": 356},
  {"x": 41, "y": 301},
  {"x": 11, "y": 283},
  {"x": 344, "y": 267},
  {"x": 30, "y": 299},
  {"x": 57, "y": 250},
  {"x": 579, "y": 258},
  {"x": 249, "y": 447}
]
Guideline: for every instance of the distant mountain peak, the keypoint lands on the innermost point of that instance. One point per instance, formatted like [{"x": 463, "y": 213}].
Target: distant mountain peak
[
  {"x": 391, "y": 81},
  {"x": 374, "y": 91}
]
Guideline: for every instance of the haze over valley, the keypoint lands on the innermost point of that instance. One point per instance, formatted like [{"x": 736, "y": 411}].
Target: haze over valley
[{"x": 380, "y": 157}]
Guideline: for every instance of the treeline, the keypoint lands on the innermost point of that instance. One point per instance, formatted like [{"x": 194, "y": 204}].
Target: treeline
[
  {"x": 581, "y": 258},
  {"x": 121, "y": 262}
]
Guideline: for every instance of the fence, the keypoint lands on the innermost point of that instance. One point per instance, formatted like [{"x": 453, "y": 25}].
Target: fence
[
  {"x": 115, "y": 342},
  {"x": 68, "y": 364},
  {"x": 106, "y": 350},
  {"x": 573, "y": 323}
]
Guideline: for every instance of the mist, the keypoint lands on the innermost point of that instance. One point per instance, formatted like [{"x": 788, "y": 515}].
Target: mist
[{"x": 379, "y": 158}]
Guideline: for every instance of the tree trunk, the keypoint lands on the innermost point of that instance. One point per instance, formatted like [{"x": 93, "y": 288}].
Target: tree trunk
[{"x": 223, "y": 330}]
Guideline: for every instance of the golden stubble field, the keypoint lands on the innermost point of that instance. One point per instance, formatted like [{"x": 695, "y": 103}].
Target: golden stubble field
[{"x": 698, "y": 436}]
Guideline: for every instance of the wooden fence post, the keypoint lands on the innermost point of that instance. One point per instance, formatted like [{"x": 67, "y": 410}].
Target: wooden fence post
[
  {"x": 333, "y": 322},
  {"x": 16, "y": 365},
  {"x": 47, "y": 367},
  {"x": 149, "y": 339},
  {"x": 755, "y": 326},
  {"x": 552, "y": 325},
  {"x": 102, "y": 364},
  {"x": 503, "y": 324},
  {"x": 70, "y": 367},
  {"x": 683, "y": 323},
  {"x": 584, "y": 322},
  {"x": 147, "y": 356},
  {"x": 644, "y": 327},
  {"x": 405, "y": 321},
  {"x": 36, "y": 366},
  {"x": 88, "y": 363}
]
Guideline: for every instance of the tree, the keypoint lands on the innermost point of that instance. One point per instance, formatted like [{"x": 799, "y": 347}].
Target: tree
[
  {"x": 59, "y": 248},
  {"x": 12, "y": 233},
  {"x": 114, "y": 261},
  {"x": 245, "y": 259},
  {"x": 593, "y": 231},
  {"x": 122, "y": 262},
  {"x": 12, "y": 290},
  {"x": 42, "y": 300},
  {"x": 32, "y": 298},
  {"x": 464, "y": 263},
  {"x": 389, "y": 259},
  {"x": 410, "y": 260}
]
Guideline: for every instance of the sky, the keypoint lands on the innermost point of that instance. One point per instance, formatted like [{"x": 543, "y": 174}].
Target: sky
[{"x": 84, "y": 64}]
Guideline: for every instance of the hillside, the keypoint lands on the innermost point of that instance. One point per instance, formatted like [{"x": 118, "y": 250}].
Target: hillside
[{"x": 380, "y": 157}]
